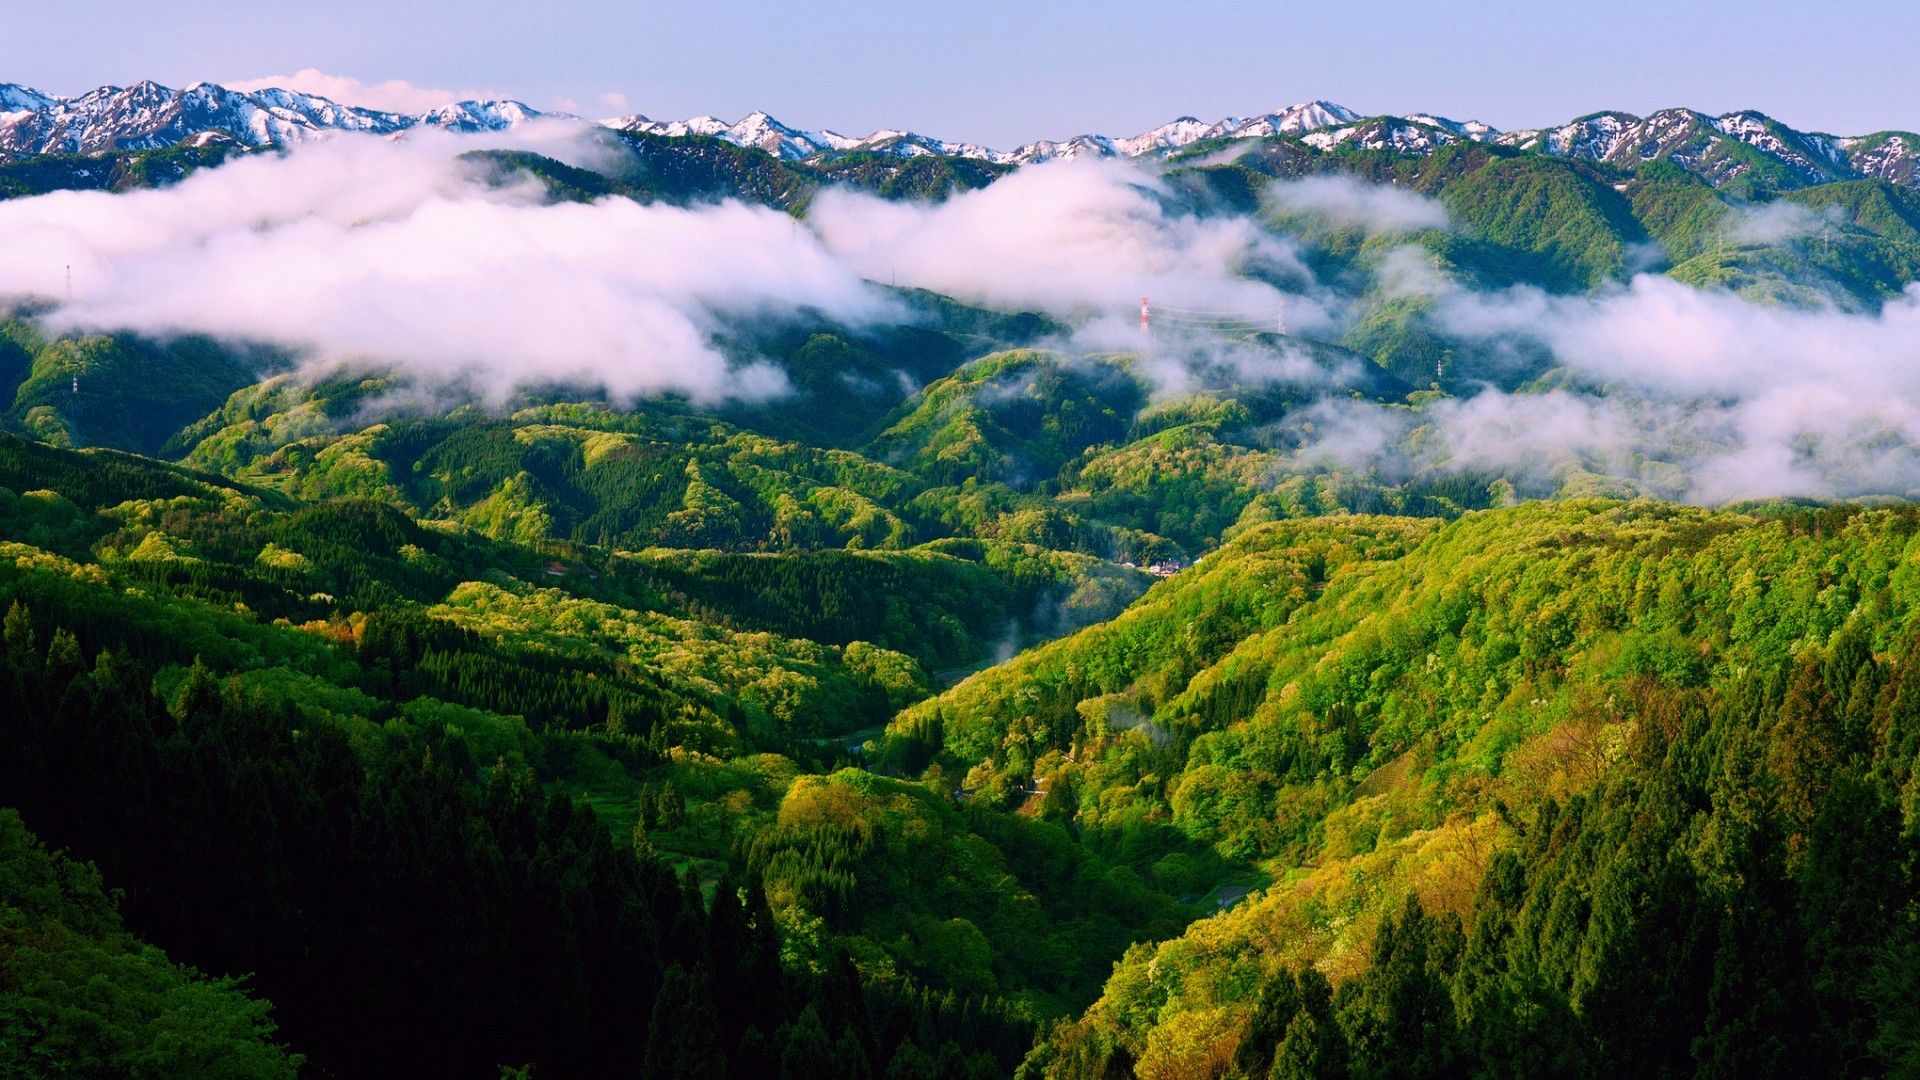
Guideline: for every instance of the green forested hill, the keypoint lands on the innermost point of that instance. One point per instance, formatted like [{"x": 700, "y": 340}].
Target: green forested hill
[
  {"x": 326, "y": 689},
  {"x": 116, "y": 171},
  {"x": 1540, "y": 776},
  {"x": 1465, "y": 770}
]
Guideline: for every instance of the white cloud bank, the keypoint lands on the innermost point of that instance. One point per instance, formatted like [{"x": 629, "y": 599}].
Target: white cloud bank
[
  {"x": 1688, "y": 393},
  {"x": 1346, "y": 201},
  {"x": 1075, "y": 238},
  {"x": 395, "y": 252},
  {"x": 391, "y": 95},
  {"x": 364, "y": 250}
]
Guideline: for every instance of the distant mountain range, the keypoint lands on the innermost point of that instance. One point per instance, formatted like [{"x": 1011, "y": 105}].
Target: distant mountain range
[
  {"x": 793, "y": 144},
  {"x": 1721, "y": 149},
  {"x": 147, "y": 115}
]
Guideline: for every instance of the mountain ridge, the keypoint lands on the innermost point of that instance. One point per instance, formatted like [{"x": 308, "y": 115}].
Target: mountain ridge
[
  {"x": 147, "y": 115},
  {"x": 1740, "y": 148}
]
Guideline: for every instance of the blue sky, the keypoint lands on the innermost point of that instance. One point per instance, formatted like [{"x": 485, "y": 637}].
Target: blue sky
[{"x": 1004, "y": 73}]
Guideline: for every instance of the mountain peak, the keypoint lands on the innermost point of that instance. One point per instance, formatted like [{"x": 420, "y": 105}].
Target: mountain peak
[{"x": 17, "y": 98}]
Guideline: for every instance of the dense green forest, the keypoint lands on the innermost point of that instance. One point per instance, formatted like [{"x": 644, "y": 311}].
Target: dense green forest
[
  {"x": 1465, "y": 769},
  {"x": 987, "y": 704},
  {"x": 1541, "y": 790}
]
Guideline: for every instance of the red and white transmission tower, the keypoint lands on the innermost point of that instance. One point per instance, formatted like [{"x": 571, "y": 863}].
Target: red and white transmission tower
[{"x": 1146, "y": 326}]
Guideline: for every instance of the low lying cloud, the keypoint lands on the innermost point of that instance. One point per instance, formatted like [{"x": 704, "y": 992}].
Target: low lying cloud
[
  {"x": 1778, "y": 222},
  {"x": 1343, "y": 200},
  {"x": 1409, "y": 270},
  {"x": 1659, "y": 335},
  {"x": 362, "y": 250},
  {"x": 1681, "y": 392},
  {"x": 359, "y": 250},
  {"x": 1074, "y": 238},
  {"x": 1192, "y": 365}
]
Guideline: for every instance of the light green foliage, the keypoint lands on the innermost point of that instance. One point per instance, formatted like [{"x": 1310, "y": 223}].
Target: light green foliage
[
  {"x": 1383, "y": 736},
  {"x": 81, "y": 996},
  {"x": 798, "y": 685},
  {"x": 132, "y": 394},
  {"x": 650, "y": 686},
  {"x": 1013, "y": 417},
  {"x": 918, "y": 884}
]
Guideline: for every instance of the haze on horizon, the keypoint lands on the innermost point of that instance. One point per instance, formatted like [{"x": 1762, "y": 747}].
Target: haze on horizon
[{"x": 1004, "y": 74}]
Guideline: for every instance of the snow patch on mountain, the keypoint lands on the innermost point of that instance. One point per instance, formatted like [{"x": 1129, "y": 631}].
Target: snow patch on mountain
[
  {"x": 1167, "y": 138},
  {"x": 1893, "y": 156},
  {"x": 1466, "y": 129},
  {"x": 16, "y": 98},
  {"x": 1595, "y": 137},
  {"x": 1294, "y": 120}
]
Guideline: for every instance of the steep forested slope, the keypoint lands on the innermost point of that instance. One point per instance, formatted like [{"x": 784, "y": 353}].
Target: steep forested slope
[
  {"x": 353, "y": 756},
  {"x": 1521, "y": 782}
]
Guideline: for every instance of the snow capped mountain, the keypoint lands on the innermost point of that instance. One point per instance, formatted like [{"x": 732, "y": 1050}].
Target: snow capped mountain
[
  {"x": 1815, "y": 158},
  {"x": 756, "y": 129},
  {"x": 1735, "y": 147},
  {"x": 1080, "y": 146},
  {"x": 1680, "y": 133},
  {"x": 1594, "y": 136},
  {"x": 911, "y": 144},
  {"x": 676, "y": 129},
  {"x": 1466, "y": 129},
  {"x": 471, "y": 116},
  {"x": 759, "y": 130},
  {"x": 1712, "y": 146},
  {"x": 1292, "y": 120},
  {"x": 147, "y": 115},
  {"x": 1400, "y": 135},
  {"x": 1167, "y": 138},
  {"x": 793, "y": 144},
  {"x": 1176, "y": 135},
  {"x": 17, "y": 98}
]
